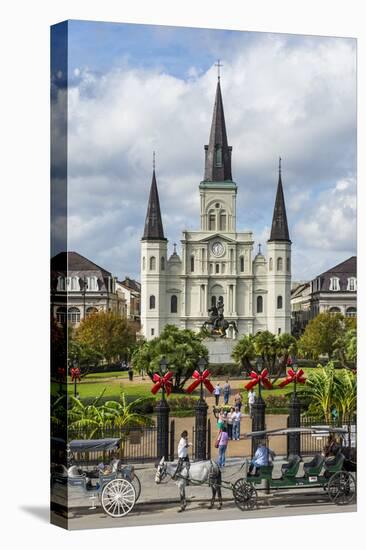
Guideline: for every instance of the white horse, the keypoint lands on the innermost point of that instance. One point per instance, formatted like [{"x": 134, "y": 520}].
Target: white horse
[{"x": 197, "y": 473}]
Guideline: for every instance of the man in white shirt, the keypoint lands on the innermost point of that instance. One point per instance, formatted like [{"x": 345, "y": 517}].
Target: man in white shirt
[
  {"x": 251, "y": 401},
  {"x": 182, "y": 453}
]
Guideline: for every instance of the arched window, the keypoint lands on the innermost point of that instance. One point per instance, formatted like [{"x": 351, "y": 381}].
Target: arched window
[
  {"x": 351, "y": 312},
  {"x": 73, "y": 315},
  {"x": 218, "y": 155},
  {"x": 162, "y": 263},
  {"x": 279, "y": 302},
  {"x": 213, "y": 301},
  {"x": 173, "y": 304},
  {"x": 270, "y": 264},
  {"x": 152, "y": 302},
  {"x": 334, "y": 283},
  {"x": 143, "y": 263},
  {"x": 192, "y": 264},
  {"x": 152, "y": 263},
  {"x": 259, "y": 304},
  {"x": 279, "y": 264},
  {"x": 223, "y": 220},
  {"x": 211, "y": 221},
  {"x": 241, "y": 263},
  {"x": 91, "y": 311},
  {"x": 334, "y": 310},
  {"x": 61, "y": 314},
  {"x": 287, "y": 264}
]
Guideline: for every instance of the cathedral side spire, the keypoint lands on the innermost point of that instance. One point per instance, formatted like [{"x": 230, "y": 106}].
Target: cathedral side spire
[
  {"x": 279, "y": 230},
  {"x": 153, "y": 222},
  {"x": 218, "y": 153}
]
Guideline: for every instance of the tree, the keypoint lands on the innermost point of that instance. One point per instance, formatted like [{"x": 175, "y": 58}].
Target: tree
[
  {"x": 322, "y": 333},
  {"x": 244, "y": 352},
  {"x": 320, "y": 387},
  {"x": 346, "y": 349},
  {"x": 274, "y": 351},
  {"x": 181, "y": 347},
  {"x": 107, "y": 334},
  {"x": 345, "y": 394}
]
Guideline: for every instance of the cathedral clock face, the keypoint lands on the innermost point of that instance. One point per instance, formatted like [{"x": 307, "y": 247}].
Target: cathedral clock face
[{"x": 218, "y": 249}]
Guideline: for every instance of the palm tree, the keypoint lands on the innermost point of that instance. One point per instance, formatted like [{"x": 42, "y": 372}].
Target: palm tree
[
  {"x": 345, "y": 394},
  {"x": 320, "y": 387},
  {"x": 266, "y": 345},
  {"x": 86, "y": 420},
  {"x": 244, "y": 352},
  {"x": 122, "y": 415}
]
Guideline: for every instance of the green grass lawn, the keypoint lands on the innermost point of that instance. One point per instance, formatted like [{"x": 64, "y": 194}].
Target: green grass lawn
[{"x": 108, "y": 375}]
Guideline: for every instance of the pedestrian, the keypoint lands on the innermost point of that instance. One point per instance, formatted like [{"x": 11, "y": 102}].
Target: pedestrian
[
  {"x": 230, "y": 422},
  {"x": 251, "y": 401},
  {"x": 221, "y": 419},
  {"x": 238, "y": 400},
  {"x": 182, "y": 453},
  {"x": 236, "y": 424},
  {"x": 217, "y": 393},
  {"x": 222, "y": 442},
  {"x": 226, "y": 392}
]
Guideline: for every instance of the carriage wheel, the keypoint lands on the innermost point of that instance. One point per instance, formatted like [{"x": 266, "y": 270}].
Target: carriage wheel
[
  {"x": 245, "y": 494},
  {"x": 137, "y": 486},
  {"x": 118, "y": 497},
  {"x": 342, "y": 488}
]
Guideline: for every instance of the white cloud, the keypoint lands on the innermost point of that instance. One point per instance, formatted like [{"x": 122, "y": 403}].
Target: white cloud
[{"x": 296, "y": 100}]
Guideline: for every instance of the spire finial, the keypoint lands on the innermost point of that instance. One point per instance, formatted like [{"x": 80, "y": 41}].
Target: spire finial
[
  {"x": 279, "y": 165},
  {"x": 218, "y": 65},
  {"x": 259, "y": 248},
  {"x": 175, "y": 248},
  {"x": 153, "y": 160}
]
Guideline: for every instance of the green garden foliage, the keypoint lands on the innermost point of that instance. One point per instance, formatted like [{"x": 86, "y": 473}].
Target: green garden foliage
[{"x": 181, "y": 348}]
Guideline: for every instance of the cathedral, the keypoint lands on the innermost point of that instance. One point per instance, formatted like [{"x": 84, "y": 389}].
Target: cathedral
[{"x": 216, "y": 262}]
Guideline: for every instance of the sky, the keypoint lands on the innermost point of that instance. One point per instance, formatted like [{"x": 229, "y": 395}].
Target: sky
[{"x": 133, "y": 89}]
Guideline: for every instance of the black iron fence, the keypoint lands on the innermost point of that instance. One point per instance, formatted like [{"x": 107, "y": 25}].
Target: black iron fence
[
  {"x": 208, "y": 442},
  {"x": 311, "y": 444},
  {"x": 138, "y": 444}
]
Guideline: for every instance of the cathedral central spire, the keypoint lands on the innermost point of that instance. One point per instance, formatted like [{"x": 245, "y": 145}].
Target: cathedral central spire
[{"x": 218, "y": 152}]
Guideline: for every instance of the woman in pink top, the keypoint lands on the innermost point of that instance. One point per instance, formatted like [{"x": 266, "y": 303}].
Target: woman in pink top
[{"x": 223, "y": 440}]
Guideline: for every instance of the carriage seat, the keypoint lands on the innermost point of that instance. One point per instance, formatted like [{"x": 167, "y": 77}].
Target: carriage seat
[
  {"x": 290, "y": 468},
  {"x": 314, "y": 466},
  {"x": 334, "y": 464}
]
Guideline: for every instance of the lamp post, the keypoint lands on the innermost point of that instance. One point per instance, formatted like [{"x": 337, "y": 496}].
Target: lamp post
[
  {"x": 201, "y": 417},
  {"x": 258, "y": 408},
  {"x": 293, "y": 445},
  {"x": 75, "y": 375},
  {"x": 162, "y": 416}
]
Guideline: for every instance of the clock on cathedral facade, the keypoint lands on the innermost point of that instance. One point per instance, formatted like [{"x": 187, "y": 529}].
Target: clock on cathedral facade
[{"x": 216, "y": 260}]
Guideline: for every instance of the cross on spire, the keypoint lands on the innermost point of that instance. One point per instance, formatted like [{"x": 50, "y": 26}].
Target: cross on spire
[
  {"x": 259, "y": 248},
  {"x": 279, "y": 165},
  {"x": 218, "y": 65},
  {"x": 175, "y": 248},
  {"x": 153, "y": 160}
]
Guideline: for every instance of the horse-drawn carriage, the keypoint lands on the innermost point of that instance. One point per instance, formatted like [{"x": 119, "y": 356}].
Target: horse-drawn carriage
[
  {"x": 114, "y": 486},
  {"x": 327, "y": 474}
]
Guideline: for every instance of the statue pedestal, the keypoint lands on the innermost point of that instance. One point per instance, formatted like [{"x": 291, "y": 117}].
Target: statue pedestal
[{"x": 220, "y": 350}]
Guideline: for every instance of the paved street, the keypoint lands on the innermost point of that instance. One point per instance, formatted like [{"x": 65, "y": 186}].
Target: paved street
[{"x": 159, "y": 504}]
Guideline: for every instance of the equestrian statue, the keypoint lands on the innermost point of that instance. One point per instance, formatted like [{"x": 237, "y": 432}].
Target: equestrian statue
[{"x": 217, "y": 325}]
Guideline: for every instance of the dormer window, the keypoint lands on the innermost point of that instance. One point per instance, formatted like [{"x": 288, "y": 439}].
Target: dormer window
[
  {"x": 352, "y": 284},
  {"x": 334, "y": 283},
  {"x": 218, "y": 159}
]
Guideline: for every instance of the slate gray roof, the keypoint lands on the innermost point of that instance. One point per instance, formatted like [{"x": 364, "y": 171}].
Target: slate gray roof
[
  {"x": 343, "y": 271},
  {"x": 218, "y": 137},
  {"x": 131, "y": 284},
  {"x": 279, "y": 229},
  {"x": 75, "y": 262},
  {"x": 153, "y": 224}
]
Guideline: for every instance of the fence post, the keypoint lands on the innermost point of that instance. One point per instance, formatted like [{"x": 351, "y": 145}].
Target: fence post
[
  {"x": 209, "y": 439},
  {"x": 172, "y": 438},
  {"x": 293, "y": 447},
  {"x": 201, "y": 430},
  {"x": 258, "y": 421},
  {"x": 162, "y": 416}
]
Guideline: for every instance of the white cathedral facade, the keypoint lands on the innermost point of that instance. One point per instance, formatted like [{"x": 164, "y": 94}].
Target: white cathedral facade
[{"x": 216, "y": 260}]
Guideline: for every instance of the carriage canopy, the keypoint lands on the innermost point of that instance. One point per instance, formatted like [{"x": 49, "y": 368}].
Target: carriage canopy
[{"x": 90, "y": 445}]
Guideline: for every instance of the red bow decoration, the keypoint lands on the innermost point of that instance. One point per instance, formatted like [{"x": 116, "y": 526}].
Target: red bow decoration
[
  {"x": 200, "y": 378},
  {"x": 162, "y": 381},
  {"x": 75, "y": 373},
  {"x": 292, "y": 376},
  {"x": 257, "y": 378}
]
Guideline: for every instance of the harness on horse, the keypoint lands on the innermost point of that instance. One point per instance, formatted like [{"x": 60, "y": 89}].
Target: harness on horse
[{"x": 180, "y": 466}]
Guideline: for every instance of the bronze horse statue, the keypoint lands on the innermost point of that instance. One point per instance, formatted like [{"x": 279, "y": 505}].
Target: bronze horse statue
[{"x": 219, "y": 328}]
